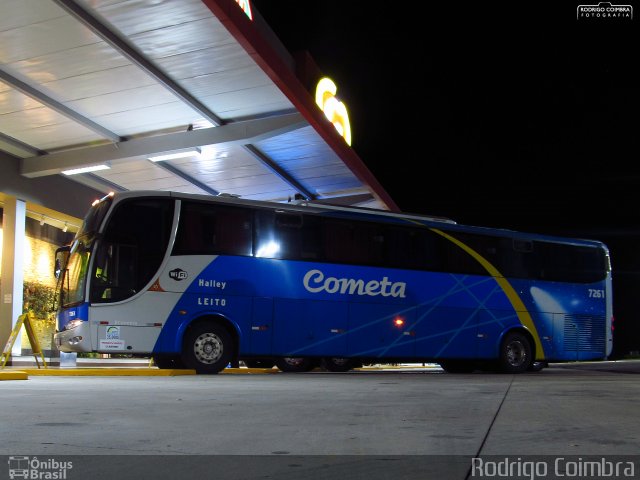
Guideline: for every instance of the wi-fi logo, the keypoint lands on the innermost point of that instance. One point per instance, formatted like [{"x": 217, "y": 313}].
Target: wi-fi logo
[{"x": 178, "y": 274}]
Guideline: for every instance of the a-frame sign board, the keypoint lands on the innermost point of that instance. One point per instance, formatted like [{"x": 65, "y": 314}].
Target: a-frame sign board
[{"x": 25, "y": 320}]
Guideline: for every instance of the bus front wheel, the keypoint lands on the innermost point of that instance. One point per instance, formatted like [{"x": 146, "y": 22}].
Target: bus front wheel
[
  {"x": 515, "y": 353},
  {"x": 208, "y": 348}
]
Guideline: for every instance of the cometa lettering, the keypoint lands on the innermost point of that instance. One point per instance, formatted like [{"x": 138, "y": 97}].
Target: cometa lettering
[{"x": 315, "y": 282}]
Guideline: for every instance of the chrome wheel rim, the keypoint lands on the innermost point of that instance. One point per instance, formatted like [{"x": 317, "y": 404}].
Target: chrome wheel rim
[
  {"x": 208, "y": 348},
  {"x": 516, "y": 353}
]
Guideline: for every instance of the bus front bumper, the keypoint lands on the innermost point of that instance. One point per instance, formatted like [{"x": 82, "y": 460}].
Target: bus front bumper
[{"x": 77, "y": 339}]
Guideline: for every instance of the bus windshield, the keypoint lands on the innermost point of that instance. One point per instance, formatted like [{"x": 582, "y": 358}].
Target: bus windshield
[{"x": 73, "y": 277}]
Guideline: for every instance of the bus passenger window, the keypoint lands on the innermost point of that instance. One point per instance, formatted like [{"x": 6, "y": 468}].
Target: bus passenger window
[
  {"x": 206, "y": 229},
  {"x": 290, "y": 236},
  {"x": 338, "y": 241}
]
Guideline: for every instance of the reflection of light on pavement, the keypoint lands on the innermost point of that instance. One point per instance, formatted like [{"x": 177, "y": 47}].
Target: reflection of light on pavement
[{"x": 545, "y": 302}]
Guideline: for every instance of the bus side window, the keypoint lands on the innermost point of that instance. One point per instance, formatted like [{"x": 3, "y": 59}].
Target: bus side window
[
  {"x": 290, "y": 236},
  {"x": 519, "y": 261},
  {"x": 458, "y": 260},
  {"x": 288, "y": 232},
  {"x": 371, "y": 239},
  {"x": 213, "y": 229},
  {"x": 337, "y": 240},
  {"x": 190, "y": 239},
  {"x": 569, "y": 263},
  {"x": 310, "y": 246},
  {"x": 266, "y": 244},
  {"x": 230, "y": 231},
  {"x": 405, "y": 248}
]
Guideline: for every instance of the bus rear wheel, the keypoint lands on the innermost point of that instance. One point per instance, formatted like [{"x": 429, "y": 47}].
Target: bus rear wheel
[
  {"x": 515, "y": 353},
  {"x": 208, "y": 348},
  {"x": 295, "y": 364}
]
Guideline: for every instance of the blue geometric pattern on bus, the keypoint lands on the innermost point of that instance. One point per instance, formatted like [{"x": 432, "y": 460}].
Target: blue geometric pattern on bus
[
  {"x": 295, "y": 308},
  {"x": 472, "y": 289}
]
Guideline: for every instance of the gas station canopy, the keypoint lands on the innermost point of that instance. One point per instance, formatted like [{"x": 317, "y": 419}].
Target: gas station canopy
[{"x": 194, "y": 96}]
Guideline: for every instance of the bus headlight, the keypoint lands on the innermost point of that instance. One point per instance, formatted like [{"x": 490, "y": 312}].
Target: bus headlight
[{"x": 73, "y": 324}]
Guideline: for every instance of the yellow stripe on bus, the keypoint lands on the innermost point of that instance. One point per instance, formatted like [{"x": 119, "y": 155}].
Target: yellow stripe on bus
[{"x": 510, "y": 292}]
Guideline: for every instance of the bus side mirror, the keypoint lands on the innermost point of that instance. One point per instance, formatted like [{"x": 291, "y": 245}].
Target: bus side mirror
[{"x": 62, "y": 255}]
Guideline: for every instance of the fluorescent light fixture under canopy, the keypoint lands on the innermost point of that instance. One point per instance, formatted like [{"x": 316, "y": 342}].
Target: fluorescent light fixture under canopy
[
  {"x": 92, "y": 168},
  {"x": 176, "y": 155}
]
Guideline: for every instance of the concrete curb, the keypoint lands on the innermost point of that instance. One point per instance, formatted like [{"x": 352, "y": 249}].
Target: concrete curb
[
  {"x": 106, "y": 372},
  {"x": 23, "y": 373}
]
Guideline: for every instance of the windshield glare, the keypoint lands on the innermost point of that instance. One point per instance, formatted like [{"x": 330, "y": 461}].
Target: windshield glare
[
  {"x": 74, "y": 281},
  {"x": 94, "y": 217}
]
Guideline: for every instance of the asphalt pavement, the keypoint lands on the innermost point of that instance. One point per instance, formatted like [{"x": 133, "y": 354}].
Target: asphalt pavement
[{"x": 401, "y": 423}]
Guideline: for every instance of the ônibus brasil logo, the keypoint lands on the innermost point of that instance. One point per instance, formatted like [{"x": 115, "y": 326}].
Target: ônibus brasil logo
[
  {"x": 34, "y": 468},
  {"x": 178, "y": 274}
]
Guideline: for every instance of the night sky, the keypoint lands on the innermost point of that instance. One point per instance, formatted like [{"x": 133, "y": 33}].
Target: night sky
[{"x": 516, "y": 116}]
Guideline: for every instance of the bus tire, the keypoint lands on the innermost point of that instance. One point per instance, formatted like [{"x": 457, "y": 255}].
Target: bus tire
[
  {"x": 515, "y": 353},
  {"x": 337, "y": 364},
  {"x": 458, "y": 366},
  {"x": 295, "y": 364},
  {"x": 208, "y": 348}
]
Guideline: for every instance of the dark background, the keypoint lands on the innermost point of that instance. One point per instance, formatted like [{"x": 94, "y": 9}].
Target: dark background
[{"x": 516, "y": 116}]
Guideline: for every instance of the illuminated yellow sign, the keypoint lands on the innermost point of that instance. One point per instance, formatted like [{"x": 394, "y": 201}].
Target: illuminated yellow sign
[
  {"x": 334, "y": 110},
  {"x": 245, "y": 5}
]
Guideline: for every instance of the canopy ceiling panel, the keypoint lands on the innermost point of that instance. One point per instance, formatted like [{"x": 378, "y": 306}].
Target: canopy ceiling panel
[{"x": 116, "y": 82}]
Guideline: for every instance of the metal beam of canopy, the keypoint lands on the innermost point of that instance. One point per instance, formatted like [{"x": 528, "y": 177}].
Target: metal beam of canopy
[
  {"x": 187, "y": 177},
  {"x": 137, "y": 58},
  {"x": 279, "y": 171},
  {"x": 233, "y": 133},
  {"x": 99, "y": 183},
  {"x": 57, "y": 106},
  {"x": 14, "y": 142}
]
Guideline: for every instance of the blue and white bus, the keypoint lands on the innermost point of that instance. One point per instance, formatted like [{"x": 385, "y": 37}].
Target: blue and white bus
[{"x": 201, "y": 282}]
